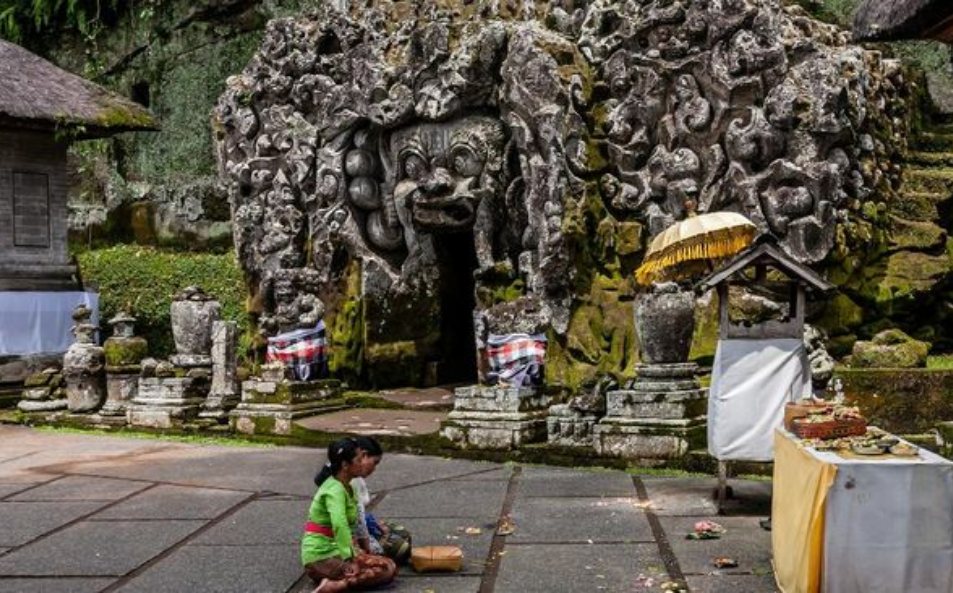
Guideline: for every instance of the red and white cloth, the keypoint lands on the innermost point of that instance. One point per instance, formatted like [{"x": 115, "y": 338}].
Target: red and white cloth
[
  {"x": 516, "y": 359},
  {"x": 304, "y": 351}
]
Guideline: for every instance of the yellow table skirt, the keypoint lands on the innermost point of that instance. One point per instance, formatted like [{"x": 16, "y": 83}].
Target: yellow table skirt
[{"x": 801, "y": 484}]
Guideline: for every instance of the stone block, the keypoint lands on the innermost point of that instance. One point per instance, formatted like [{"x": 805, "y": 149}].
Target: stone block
[
  {"x": 648, "y": 439},
  {"x": 480, "y": 398},
  {"x": 487, "y": 430}
]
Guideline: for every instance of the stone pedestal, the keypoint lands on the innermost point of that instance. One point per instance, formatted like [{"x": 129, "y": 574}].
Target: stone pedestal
[
  {"x": 660, "y": 416},
  {"x": 269, "y": 407},
  {"x": 566, "y": 427},
  {"x": 165, "y": 402},
  {"x": 490, "y": 417}
]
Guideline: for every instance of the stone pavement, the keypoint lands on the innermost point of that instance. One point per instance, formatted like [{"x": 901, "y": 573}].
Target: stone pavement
[{"x": 86, "y": 512}]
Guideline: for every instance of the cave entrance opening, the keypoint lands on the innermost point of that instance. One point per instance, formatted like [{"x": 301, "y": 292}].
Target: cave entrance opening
[{"x": 457, "y": 261}]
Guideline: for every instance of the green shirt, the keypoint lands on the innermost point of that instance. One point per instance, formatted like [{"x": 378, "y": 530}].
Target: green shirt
[{"x": 333, "y": 506}]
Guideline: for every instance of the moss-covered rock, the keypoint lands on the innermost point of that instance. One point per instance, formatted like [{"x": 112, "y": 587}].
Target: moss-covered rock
[
  {"x": 125, "y": 351},
  {"x": 900, "y": 281},
  {"x": 890, "y": 349},
  {"x": 901, "y": 401},
  {"x": 917, "y": 235},
  {"x": 840, "y": 315}
]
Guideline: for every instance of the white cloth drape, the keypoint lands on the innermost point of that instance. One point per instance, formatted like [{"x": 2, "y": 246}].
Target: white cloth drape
[
  {"x": 40, "y": 322},
  {"x": 751, "y": 381},
  {"x": 889, "y": 526}
]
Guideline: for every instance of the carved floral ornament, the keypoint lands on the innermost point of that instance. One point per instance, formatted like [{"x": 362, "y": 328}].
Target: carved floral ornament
[{"x": 368, "y": 135}]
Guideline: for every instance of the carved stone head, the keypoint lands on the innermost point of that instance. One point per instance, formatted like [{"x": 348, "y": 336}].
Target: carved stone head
[{"x": 443, "y": 171}]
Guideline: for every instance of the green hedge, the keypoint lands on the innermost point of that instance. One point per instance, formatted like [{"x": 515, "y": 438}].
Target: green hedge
[{"x": 144, "y": 280}]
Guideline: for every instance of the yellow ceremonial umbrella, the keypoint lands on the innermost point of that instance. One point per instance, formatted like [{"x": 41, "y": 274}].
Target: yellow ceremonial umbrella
[{"x": 689, "y": 245}]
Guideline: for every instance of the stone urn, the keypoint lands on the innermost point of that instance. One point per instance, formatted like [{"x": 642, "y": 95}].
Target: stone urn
[
  {"x": 83, "y": 367},
  {"x": 664, "y": 324},
  {"x": 193, "y": 313}
]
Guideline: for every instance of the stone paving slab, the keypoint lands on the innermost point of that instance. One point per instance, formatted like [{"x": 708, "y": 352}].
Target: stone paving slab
[
  {"x": 376, "y": 422},
  {"x": 399, "y": 471},
  {"x": 73, "y": 488},
  {"x": 409, "y": 582},
  {"x": 501, "y": 474},
  {"x": 9, "y": 489},
  {"x": 221, "y": 569},
  {"x": 96, "y": 548},
  {"x": 692, "y": 496},
  {"x": 733, "y": 584},
  {"x": 743, "y": 541},
  {"x": 613, "y": 568},
  {"x": 544, "y": 481},
  {"x": 433, "y": 398},
  {"x": 21, "y": 522},
  {"x": 579, "y": 520},
  {"x": 451, "y": 498},
  {"x": 60, "y": 585},
  {"x": 247, "y": 469},
  {"x": 260, "y": 522},
  {"x": 174, "y": 502}
]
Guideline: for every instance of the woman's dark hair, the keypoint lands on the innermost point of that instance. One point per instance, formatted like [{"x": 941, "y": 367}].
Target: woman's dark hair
[
  {"x": 369, "y": 445},
  {"x": 339, "y": 452}
]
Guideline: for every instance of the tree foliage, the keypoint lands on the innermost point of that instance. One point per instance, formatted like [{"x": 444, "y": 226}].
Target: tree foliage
[{"x": 24, "y": 18}]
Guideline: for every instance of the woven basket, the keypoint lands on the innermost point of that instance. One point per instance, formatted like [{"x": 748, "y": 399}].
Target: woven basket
[
  {"x": 794, "y": 410},
  {"x": 834, "y": 429}
]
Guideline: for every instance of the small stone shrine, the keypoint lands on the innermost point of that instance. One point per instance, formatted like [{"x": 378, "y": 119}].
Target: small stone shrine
[
  {"x": 508, "y": 407},
  {"x": 171, "y": 393},
  {"x": 661, "y": 414},
  {"x": 124, "y": 352},
  {"x": 83, "y": 366}
]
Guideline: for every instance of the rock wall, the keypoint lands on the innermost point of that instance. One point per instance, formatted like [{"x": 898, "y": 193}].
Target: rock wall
[{"x": 520, "y": 155}]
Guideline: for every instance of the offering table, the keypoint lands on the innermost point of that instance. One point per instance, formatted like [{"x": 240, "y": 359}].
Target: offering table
[{"x": 844, "y": 523}]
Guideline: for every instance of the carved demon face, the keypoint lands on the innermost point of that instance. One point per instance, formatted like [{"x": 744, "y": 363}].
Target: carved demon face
[{"x": 444, "y": 171}]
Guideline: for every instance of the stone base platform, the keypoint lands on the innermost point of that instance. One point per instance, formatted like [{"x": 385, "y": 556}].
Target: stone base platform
[
  {"x": 165, "y": 402},
  {"x": 494, "y": 417},
  {"x": 269, "y": 407},
  {"x": 647, "y": 439}
]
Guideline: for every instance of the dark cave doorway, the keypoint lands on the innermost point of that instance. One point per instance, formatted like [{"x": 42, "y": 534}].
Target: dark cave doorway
[{"x": 457, "y": 261}]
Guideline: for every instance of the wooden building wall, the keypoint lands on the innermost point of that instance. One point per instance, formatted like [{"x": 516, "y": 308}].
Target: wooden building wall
[{"x": 33, "y": 216}]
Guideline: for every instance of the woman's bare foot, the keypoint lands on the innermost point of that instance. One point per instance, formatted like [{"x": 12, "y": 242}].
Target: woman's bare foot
[{"x": 329, "y": 586}]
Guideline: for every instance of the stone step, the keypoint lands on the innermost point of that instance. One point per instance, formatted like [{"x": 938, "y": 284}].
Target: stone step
[
  {"x": 933, "y": 141},
  {"x": 917, "y": 205},
  {"x": 915, "y": 235},
  {"x": 930, "y": 158},
  {"x": 934, "y": 181},
  {"x": 10, "y": 395}
]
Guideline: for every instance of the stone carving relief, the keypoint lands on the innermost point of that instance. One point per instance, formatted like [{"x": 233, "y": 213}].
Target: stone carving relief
[{"x": 369, "y": 132}]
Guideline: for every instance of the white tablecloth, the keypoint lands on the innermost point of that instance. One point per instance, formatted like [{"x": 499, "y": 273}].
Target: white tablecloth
[
  {"x": 751, "y": 381},
  {"x": 40, "y": 322},
  {"x": 889, "y": 526}
]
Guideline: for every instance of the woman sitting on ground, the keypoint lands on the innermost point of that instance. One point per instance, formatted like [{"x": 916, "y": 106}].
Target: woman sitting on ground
[{"x": 328, "y": 551}]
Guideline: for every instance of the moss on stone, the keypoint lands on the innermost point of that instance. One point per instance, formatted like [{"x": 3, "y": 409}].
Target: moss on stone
[
  {"x": 900, "y": 400},
  {"x": 840, "y": 315},
  {"x": 346, "y": 329},
  {"x": 127, "y": 351}
]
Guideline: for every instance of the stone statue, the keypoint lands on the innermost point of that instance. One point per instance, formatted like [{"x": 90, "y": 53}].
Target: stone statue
[{"x": 366, "y": 135}]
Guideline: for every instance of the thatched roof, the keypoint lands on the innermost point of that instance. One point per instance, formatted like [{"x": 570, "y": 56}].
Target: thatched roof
[
  {"x": 887, "y": 20},
  {"x": 36, "y": 94}
]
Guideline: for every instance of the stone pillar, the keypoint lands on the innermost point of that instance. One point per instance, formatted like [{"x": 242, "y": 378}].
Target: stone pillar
[
  {"x": 83, "y": 366},
  {"x": 224, "y": 393},
  {"x": 492, "y": 417},
  {"x": 124, "y": 353}
]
